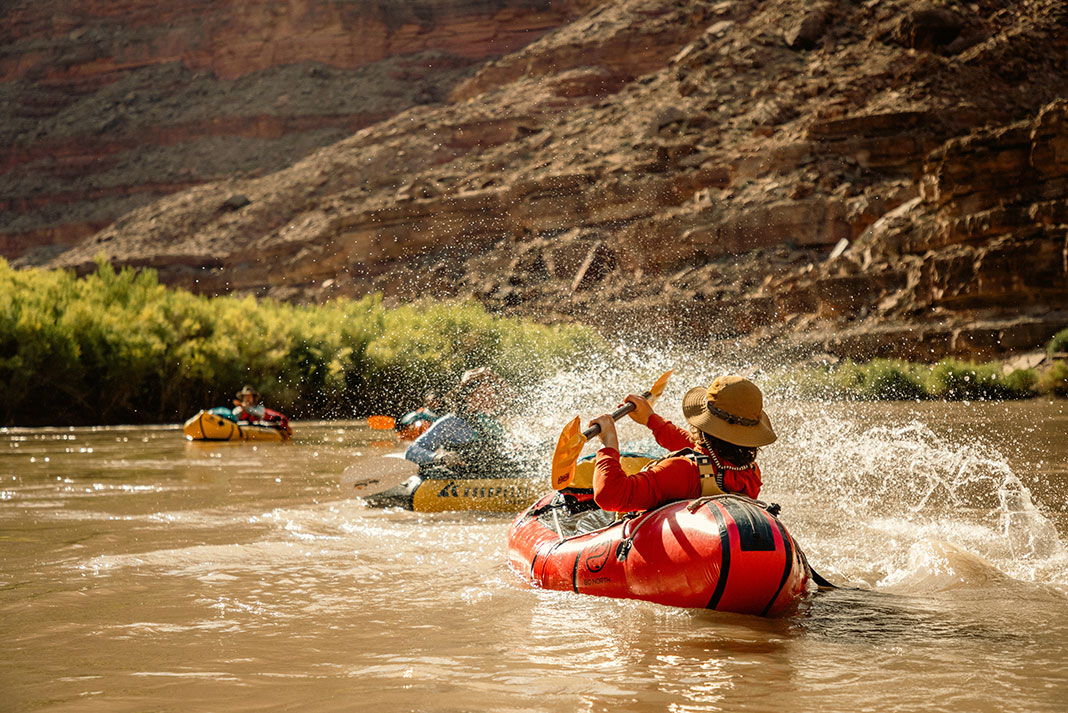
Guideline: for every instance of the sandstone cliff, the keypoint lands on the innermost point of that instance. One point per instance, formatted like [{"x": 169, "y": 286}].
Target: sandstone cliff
[
  {"x": 106, "y": 106},
  {"x": 866, "y": 178}
]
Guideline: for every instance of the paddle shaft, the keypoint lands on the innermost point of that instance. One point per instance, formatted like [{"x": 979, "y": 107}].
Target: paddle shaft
[
  {"x": 616, "y": 415},
  {"x": 571, "y": 441}
]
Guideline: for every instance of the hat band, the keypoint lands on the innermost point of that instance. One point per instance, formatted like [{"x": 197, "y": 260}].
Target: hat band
[{"x": 730, "y": 417}]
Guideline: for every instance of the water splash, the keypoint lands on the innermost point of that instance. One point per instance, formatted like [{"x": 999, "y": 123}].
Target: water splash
[
  {"x": 600, "y": 384},
  {"x": 833, "y": 456},
  {"x": 867, "y": 488},
  {"x": 1029, "y": 534},
  {"x": 907, "y": 506}
]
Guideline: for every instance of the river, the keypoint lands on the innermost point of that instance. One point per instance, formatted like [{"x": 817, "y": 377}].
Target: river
[{"x": 143, "y": 572}]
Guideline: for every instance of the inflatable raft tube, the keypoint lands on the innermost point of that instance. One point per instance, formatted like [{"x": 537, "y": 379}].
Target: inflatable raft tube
[
  {"x": 724, "y": 552},
  {"x": 209, "y": 425},
  {"x": 439, "y": 490},
  {"x": 393, "y": 482}
]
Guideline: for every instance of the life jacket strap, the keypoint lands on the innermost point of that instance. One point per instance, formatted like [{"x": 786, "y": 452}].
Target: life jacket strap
[{"x": 711, "y": 476}]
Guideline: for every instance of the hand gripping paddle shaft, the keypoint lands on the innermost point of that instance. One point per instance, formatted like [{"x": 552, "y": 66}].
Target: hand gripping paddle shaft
[{"x": 572, "y": 438}]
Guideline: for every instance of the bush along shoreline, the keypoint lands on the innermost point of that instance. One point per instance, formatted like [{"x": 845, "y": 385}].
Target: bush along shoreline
[
  {"x": 947, "y": 380},
  {"x": 118, "y": 347}
]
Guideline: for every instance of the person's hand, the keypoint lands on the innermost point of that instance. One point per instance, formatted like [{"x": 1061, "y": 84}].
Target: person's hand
[
  {"x": 448, "y": 459},
  {"x": 642, "y": 408},
  {"x": 608, "y": 434}
]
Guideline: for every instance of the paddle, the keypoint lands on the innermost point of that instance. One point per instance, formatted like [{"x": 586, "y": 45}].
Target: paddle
[
  {"x": 381, "y": 423},
  {"x": 572, "y": 439},
  {"x": 376, "y": 474}
]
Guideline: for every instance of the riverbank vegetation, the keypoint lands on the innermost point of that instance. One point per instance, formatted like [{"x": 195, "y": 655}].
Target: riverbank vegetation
[
  {"x": 948, "y": 380},
  {"x": 118, "y": 347}
]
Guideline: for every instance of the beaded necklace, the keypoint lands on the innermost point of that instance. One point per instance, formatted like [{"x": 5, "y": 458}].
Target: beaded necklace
[{"x": 720, "y": 465}]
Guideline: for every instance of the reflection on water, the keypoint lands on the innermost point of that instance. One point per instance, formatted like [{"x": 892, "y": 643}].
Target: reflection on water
[{"x": 143, "y": 572}]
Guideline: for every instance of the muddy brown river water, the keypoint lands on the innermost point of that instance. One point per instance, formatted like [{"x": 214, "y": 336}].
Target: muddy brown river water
[{"x": 142, "y": 572}]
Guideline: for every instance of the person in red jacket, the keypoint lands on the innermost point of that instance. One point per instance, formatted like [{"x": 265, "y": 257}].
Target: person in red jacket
[{"x": 718, "y": 455}]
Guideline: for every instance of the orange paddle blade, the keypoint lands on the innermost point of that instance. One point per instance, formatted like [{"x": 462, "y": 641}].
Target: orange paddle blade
[
  {"x": 568, "y": 447},
  {"x": 381, "y": 423},
  {"x": 660, "y": 385}
]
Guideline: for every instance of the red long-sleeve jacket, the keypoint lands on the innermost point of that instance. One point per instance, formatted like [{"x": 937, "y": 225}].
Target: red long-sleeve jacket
[{"x": 663, "y": 482}]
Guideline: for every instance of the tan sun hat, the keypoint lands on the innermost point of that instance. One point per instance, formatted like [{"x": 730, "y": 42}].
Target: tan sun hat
[
  {"x": 249, "y": 390},
  {"x": 731, "y": 409}
]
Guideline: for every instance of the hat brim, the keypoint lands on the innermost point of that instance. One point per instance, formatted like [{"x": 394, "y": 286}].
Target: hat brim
[{"x": 695, "y": 410}]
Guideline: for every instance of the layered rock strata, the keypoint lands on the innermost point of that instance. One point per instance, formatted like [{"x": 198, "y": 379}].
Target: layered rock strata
[
  {"x": 105, "y": 107},
  {"x": 872, "y": 180}
]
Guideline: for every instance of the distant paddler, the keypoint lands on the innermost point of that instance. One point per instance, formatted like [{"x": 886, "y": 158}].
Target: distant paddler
[
  {"x": 415, "y": 423},
  {"x": 469, "y": 438},
  {"x": 248, "y": 420},
  {"x": 248, "y": 408}
]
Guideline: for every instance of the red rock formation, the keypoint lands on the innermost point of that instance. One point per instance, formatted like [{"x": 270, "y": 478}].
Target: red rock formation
[
  {"x": 984, "y": 248},
  {"x": 872, "y": 179},
  {"x": 91, "y": 87},
  {"x": 96, "y": 42}
]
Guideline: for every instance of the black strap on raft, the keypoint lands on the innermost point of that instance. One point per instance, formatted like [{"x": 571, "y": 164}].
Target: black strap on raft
[
  {"x": 568, "y": 501},
  {"x": 821, "y": 581}
]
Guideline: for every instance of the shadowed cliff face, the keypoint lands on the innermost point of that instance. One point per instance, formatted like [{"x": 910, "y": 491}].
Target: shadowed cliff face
[
  {"x": 876, "y": 179},
  {"x": 106, "y": 106}
]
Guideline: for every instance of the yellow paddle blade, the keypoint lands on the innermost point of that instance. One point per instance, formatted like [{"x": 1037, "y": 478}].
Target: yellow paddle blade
[
  {"x": 568, "y": 447},
  {"x": 381, "y": 423},
  {"x": 660, "y": 385}
]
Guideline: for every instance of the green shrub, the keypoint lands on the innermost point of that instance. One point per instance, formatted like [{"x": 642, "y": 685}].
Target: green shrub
[
  {"x": 1059, "y": 343},
  {"x": 884, "y": 379},
  {"x": 958, "y": 381},
  {"x": 881, "y": 379},
  {"x": 1055, "y": 379},
  {"x": 117, "y": 346}
]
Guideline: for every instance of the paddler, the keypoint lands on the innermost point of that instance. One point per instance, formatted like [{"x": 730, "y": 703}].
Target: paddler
[
  {"x": 470, "y": 437},
  {"x": 249, "y": 409},
  {"x": 247, "y": 406},
  {"x": 415, "y": 423},
  {"x": 717, "y": 455}
]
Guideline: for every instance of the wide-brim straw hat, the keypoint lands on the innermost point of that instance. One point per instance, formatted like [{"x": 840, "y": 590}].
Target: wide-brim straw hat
[{"x": 731, "y": 409}]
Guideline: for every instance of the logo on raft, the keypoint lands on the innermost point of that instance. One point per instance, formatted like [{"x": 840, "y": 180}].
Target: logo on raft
[
  {"x": 509, "y": 492},
  {"x": 361, "y": 484},
  {"x": 597, "y": 556}
]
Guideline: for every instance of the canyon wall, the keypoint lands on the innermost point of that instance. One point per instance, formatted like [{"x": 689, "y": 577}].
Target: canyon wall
[
  {"x": 884, "y": 179},
  {"x": 107, "y": 106}
]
